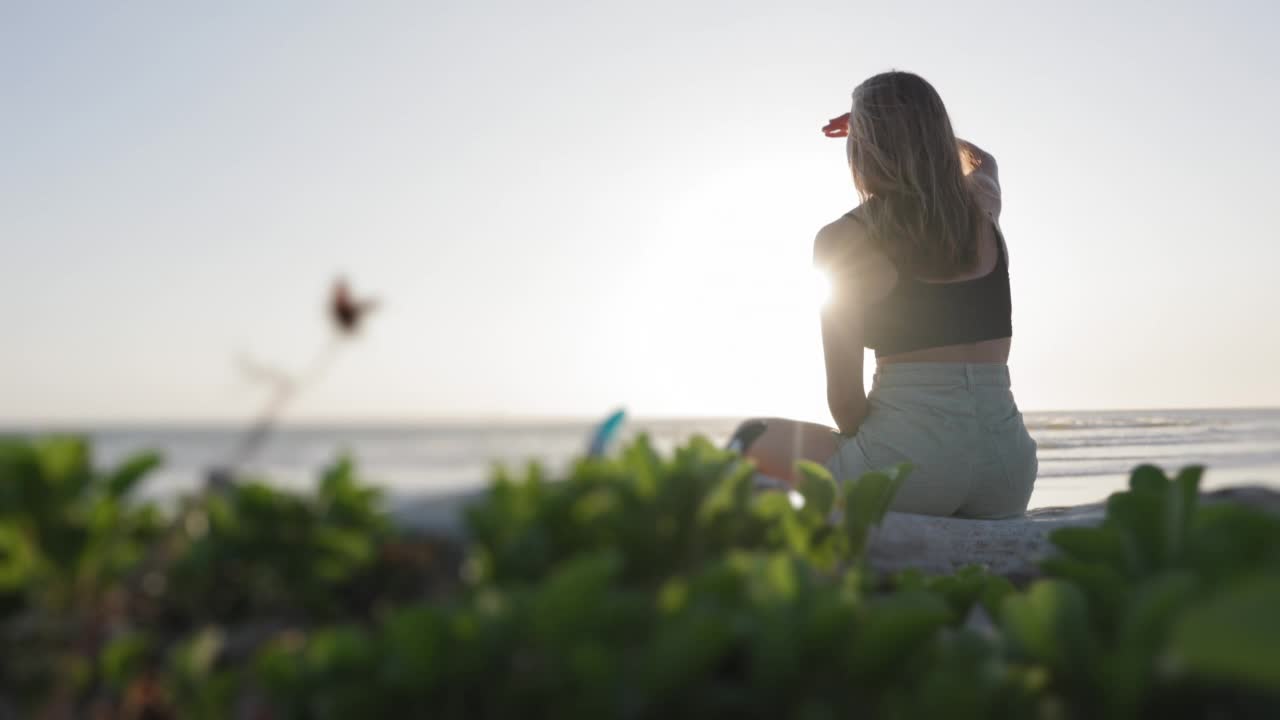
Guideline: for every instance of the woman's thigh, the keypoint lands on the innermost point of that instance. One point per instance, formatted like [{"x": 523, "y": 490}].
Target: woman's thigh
[{"x": 784, "y": 442}]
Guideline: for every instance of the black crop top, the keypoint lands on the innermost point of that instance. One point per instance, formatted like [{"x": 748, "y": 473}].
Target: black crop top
[{"x": 917, "y": 315}]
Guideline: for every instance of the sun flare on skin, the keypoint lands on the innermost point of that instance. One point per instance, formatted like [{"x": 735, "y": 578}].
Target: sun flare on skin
[{"x": 819, "y": 288}]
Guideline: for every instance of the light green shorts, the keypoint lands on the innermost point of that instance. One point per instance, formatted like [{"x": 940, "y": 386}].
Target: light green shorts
[{"x": 957, "y": 424}]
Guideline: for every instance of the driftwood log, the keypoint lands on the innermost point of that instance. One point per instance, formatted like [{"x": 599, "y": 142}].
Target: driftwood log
[{"x": 936, "y": 545}]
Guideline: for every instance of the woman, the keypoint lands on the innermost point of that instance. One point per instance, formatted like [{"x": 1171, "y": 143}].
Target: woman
[{"x": 919, "y": 274}]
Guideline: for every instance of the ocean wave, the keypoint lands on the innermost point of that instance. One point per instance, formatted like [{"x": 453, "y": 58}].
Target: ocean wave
[
  {"x": 1105, "y": 441},
  {"x": 1108, "y": 423}
]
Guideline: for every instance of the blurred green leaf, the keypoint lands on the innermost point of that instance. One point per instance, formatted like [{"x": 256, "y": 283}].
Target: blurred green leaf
[
  {"x": 121, "y": 481},
  {"x": 64, "y": 462},
  {"x": 1152, "y": 607},
  {"x": 1138, "y": 518},
  {"x": 559, "y": 601},
  {"x": 729, "y": 495},
  {"x": 817, "y": 487},
  {"x": 648, "y": 467},
  {"x": 1187, "y": 483},
  {"x": 124, "y": 657},
  {"x": 1234, "y": 636},
  {"x": 1148, "y": 478},
  {"x": 333, "y": 650},
  {"x": 1104, "y": 586},
  {"x": 19, "y": 561},
  {"x": 1049, "y": 624},
  {"x": 776, "y": 579},
  {"x": 892, "y": 628},
  {"x": 866, "y": 501},
  {"x": 194, "y": 658},
  {"x": 1101, "y": 545}
]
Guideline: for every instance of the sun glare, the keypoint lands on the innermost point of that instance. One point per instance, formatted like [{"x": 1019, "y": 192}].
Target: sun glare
[{"x": 819, "y": 287}]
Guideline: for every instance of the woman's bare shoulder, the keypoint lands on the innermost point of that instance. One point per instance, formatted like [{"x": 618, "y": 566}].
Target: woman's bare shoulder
[
  {"x": 845, "y": 250},
  {"x": 843, "y": 241}
]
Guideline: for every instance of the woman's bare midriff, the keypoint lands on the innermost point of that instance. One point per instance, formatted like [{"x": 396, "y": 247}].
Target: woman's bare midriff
[{"x": 987, "y": 351}]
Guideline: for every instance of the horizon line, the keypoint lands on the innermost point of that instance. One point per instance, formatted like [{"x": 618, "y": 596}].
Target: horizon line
[{"x": 16, "y": 424}]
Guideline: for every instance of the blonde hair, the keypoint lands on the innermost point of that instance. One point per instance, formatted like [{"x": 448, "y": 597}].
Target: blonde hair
[{"x": 907, "y": 167}]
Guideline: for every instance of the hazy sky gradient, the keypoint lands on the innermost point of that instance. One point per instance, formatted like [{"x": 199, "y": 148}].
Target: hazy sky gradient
[{"x": 572, "y": 206}]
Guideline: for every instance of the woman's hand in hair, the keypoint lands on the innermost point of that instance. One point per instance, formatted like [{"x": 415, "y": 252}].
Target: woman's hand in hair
[
  {"x": 976, "y": 160},
  {"x": 980, "y": 168}
]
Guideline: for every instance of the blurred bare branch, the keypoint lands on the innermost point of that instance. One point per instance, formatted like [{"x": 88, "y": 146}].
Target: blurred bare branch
[{"x": 346, "y": 314}]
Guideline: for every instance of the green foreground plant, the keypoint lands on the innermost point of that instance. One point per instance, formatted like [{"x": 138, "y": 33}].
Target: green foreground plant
[{"x": 635, "y": 586}]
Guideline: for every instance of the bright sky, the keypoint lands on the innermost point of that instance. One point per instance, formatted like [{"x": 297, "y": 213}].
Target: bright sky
[{"x": 572, "y": 206}]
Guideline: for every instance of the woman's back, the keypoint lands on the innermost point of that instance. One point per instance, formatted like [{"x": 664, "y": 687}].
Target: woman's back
[
  {"x": 905, "y": 310},
  {"x": 905, "y": 318}
]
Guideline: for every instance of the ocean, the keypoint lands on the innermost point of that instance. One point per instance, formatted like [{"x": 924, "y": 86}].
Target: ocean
[{"x": 1084, "y": 456}]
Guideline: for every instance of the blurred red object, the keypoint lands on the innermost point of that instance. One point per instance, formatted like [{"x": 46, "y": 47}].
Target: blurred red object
[
  {"x": 838, "y": 127},
  {"x": 345, "y": 310}
]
